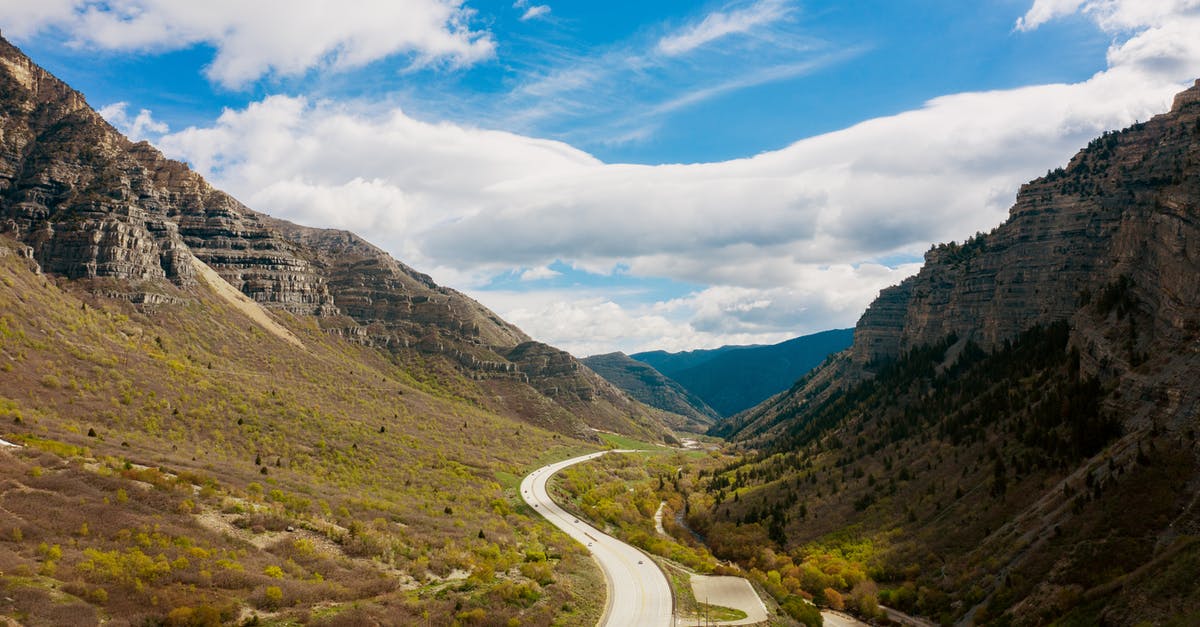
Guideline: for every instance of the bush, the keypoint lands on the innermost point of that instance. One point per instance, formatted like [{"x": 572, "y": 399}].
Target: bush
[
  {"x": 803, "y": 611},
  {"x": 203, "y": 616},
  {"x": 539, "y": 572},
  {"x": 834, "y": 599},
  {"x": 272, "y": 597}
]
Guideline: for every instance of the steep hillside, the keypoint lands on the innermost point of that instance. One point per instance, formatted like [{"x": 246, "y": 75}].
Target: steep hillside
[
  {"x": 167, "y": 451},
  {"x": 1012, "y": 438},
  {"x": 734, "y": 378},
  {"x": 649, "y": 386},
  {"x": 128, "y": 223}
]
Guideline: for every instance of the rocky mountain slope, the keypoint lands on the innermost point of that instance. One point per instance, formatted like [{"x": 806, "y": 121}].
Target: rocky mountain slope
[
  {"x": 1012, "y": 437},
  {"x": 734, "y": 378},
  {"x": 651, "y": 387},
  {"x": 124, "y": 221}
]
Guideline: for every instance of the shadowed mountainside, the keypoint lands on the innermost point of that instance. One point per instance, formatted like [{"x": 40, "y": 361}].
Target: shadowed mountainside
[{"x": 644, "y": 383}]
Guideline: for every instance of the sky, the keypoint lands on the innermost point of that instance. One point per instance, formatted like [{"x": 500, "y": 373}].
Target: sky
[{"x": 628, "y": 175}]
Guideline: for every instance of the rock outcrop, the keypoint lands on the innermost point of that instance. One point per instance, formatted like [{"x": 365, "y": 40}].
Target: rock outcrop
[
  {"x": 1125, "y": 206},
  {"x": 92, "y": 204}
]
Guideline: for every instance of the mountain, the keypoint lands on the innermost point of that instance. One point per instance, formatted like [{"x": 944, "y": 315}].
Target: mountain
[
  {"x": 664, "y": 361},
  {"x": 219, "y": 414},
  {"x": 644, "y": 383},
  {"x": 735, "y": 378},
  {"x": 124, "y": 221},
  {"x": 1012, "y": 437}
]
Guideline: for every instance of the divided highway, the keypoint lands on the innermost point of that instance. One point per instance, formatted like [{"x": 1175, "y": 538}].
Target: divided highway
[{"x": 638, "y": 592}]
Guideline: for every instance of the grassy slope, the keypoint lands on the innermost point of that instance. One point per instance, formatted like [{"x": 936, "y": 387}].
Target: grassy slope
[{"x": 394, "y": 469}]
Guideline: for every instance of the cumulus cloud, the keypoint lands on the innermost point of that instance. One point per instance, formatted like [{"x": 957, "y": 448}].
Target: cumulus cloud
[
  {"x": 782, "y": 243},
  {"x": 539, "y": 273},
  {"x": 142, "y": 126},
  {"x": 1111, "y": 15},
  {"x": 285, "y": 37}
]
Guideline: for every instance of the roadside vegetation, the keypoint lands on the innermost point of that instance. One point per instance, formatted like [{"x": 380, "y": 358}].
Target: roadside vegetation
[{"x": 621, "y": 494}]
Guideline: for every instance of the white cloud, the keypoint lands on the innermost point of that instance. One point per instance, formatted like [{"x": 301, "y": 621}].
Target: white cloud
[
  {"x": 539, "y": 273},
  {"x": 590, "y": 321},
  {"x": 1043, "y": 11},
  {"x": 1111, "y": 15},
  {"x": 142, "y": 126},
  {"x": 285, "y": 37},
  {"x": 782, "y": 241},
  {"x": 719, "y": 24},
  {"x": 535, "y": 11}
]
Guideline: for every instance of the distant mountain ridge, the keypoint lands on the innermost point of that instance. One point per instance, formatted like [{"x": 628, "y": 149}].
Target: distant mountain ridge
[
  {"x": 734, "y": 378},
  {"x": 644, "y": 383},
  {"x": 122, "y": 220}
]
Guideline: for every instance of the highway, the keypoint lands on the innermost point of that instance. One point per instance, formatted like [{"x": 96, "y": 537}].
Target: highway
[{"x": 638, "y": 592}]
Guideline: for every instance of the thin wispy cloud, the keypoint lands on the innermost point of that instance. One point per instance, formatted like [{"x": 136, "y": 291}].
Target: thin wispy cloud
[
  {"x": 623, "y": 92},
  {"x": 720, "y": 24},
  {"x": 760, "y": 77},
  {"x": 535, "y": 11}
]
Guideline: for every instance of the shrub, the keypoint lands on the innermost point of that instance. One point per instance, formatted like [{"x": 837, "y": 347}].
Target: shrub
[
  {"x": 803, "y": 611},
  {"x": 834, "y": 599},
  {"x": 203, "y": 616},
  {"x": 539, "y": 572},
  {"x": 273, "y": 597}
]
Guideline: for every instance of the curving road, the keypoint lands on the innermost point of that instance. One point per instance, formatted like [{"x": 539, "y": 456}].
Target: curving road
[{"x": 638, "y": 592}]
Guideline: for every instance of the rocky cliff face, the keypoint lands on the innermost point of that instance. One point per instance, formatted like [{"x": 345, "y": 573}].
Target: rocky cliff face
[
  {"x": 1125, "y": 206},
  {"x": 125, "y": 221},
  {"x": 92, "y": 204},
  {"x": 397, "y": 305}
]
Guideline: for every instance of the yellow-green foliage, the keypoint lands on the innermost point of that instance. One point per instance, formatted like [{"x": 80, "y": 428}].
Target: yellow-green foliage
[
  {"x": 130, "y": 567},
  {"x": 363, "y": 451}
]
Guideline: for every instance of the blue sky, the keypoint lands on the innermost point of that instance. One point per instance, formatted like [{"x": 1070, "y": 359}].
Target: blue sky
[
  {"x": 870, "y": 59},
  {"x": 526, "y": 152}
]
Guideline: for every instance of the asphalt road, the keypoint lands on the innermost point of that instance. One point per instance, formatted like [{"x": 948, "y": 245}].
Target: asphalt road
[{"x": 638, "y": 592}]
